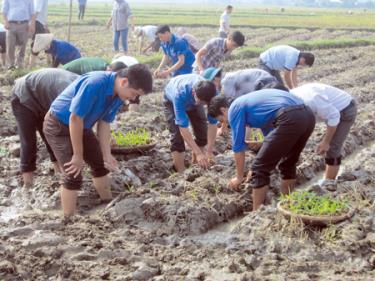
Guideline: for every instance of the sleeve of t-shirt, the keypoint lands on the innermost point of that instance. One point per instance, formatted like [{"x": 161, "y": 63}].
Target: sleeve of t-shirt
[
  {"x": 291, "y": 61},
  {"x": 228, "y": 87},
  {"x": 238, "y": 125},
  {"x": 84, "y": 100},
  {"x": 181, "y": 117},
  {"x": 181, "y": 47}
]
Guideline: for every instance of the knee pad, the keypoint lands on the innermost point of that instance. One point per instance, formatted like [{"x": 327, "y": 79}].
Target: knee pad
[{"x": 333, "y": 161}]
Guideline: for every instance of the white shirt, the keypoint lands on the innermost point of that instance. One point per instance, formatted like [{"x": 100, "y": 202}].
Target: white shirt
[
  {"x": 224, "y": 22},
  {"x": 41, "y": 7},
  {"x": 150, "y": 32},
  {"x": 325, "y": 101},
  {"x": 127, "y": 60}
]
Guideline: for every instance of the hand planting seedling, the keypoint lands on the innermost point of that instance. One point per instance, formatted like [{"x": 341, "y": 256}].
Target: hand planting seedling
[
  {"x": 133, "y": 138},
  {"x": 303, "y": 202}
]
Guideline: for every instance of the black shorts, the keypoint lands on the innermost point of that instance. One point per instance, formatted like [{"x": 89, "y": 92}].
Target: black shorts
[{"x": 3, "y": 42}]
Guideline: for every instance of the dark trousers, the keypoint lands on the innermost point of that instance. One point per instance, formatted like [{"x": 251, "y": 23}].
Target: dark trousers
[
  {"x": 283, "y": 145},
  {"x": 58, "y": 136},
  {"x": 274, "y": 73},
  {"x": 81, "y": 12},
  {"x": 28, "y": 123},
  {"x": 198, "y": 119}
]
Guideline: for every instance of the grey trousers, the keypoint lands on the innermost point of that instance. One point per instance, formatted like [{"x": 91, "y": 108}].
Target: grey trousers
[
  {"x": 347, "y": 118},
  {"x": 17, "y": 35}
]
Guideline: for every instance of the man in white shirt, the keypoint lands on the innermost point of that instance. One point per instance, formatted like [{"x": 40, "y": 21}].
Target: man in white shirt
[
  {"x": 41, "y": 13},
  {"x": 224, "y": 22},
  {"x": 338, "y": 110},
  {"x": 148, "y": 32}
]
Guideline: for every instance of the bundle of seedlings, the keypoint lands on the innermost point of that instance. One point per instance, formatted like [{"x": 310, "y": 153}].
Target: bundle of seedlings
[{"x": 138, "y": 140}]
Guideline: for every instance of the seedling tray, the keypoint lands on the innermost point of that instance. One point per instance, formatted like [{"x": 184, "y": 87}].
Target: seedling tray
[
  {"x": 254, "y": 146},
  {"x": 314, "y": 220},
  {"x": 116, "y": 149}
]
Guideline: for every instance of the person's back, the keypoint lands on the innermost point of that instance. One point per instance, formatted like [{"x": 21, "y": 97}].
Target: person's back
[
  {"x": 63, "y": 52},
  {"x": 181, "y": 86},
  {"x": 281, "y": 57},
  {"x": 86, "y": 64}
]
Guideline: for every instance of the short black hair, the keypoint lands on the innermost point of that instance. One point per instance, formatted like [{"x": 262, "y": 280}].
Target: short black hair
[
  {"x": 205, "y": 90},
  {"x": 229, "y": 7},
  {"x": 238, "y": 38},
  {"x": 139, "y": 76},
  {"x": 216, "y": 103},
  {"x": 309, "y": 58},
  {"x": 275, "y": 85},
  {"x": 163, "y": 29},
  {"x": 117, "y": 65}
]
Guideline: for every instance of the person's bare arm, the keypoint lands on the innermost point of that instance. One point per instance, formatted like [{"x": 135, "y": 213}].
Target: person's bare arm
[
  {"x": 164, "y": 60},
  {"x": 109, "y": 22},
  {"x": 104, "y": 135},
  {"x": 176, "y": 66},
  {"x": 239, "y": 158},
  {"x": 188, "y": 138},
  {"x": 75, "y": 165},
  {"x": 288, "y": 78},
  {"x": 211, "y": 137},
  {"x": 149, "y": 46},
  {"x": 198, "y": 59}
]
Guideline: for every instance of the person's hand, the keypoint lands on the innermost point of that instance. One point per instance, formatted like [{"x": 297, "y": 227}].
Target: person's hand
[
  {"x": 111, "y": 163},
  {"x": 202, "y": 160},
  {"x": 156, "y": 72},
  {"x": 163, "y": 74},
  {"x": 235, "y": 183},
  {"x": 210, "y": 157},
  {"x": 322, "y": 147},
  {"x": 223, "y": 130},
  {"x": 75, "y": 165}
]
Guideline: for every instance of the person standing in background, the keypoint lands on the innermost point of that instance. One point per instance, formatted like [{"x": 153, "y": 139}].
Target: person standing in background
[
  {"x": 121, "y": 13},
  {"x": 224, "y": 22},
  {"x": 19, "y": 21},
  {"x": 41, "y": 13},
  {"x": 82, "y": 8}
]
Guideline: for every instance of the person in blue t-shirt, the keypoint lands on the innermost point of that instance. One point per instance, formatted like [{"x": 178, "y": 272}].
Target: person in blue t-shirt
[
  {"x": 184, "y": 97},
  {"x": 62, "y": 52},
  {"x": 176, "y": 50},
  {"x": 286, "y": 123},
  {"x": 94, "y": 98},
  {"x": 285, "y": 58}
]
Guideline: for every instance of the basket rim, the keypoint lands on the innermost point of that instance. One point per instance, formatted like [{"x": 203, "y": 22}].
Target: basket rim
[{"x": 127, "y": 149}]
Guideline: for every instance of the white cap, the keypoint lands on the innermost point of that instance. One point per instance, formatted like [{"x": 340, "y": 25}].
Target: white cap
[
  {"x": 127, "y": 60},
  {"x": 42, "y": 42}
]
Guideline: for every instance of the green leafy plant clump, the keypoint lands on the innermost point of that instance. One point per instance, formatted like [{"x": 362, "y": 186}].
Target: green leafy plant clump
[
  {"x": 133, "y": 138},
  {"x": 303, "y": 202}
]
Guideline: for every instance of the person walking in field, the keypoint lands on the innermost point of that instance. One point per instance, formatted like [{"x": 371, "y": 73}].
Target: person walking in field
[
  {"x": 285, "y": 58},
  {"x": 87, "y": 64},
  {"x": 19, "y": 21},
  {"x": 338, "y": 110},
  {"x": 94, "y": 98},
  {"x": 176, "y": 50},
  {"x": 61, "y": 52},
  {"x": 41, "y": 13},
  {"x": 81, "y": 9},
  {"x": 224, "y": 28},
  {"x": 216, "y": 50},
  {"x": 286, "y": 123},
  {"x": 184, "y": 97},
  {"x": 31, "y": 98},
  {"x": 147, "y": 33},
  {"x": 121, "y": 14}
]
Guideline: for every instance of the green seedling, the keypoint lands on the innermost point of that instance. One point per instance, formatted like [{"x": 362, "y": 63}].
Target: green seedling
[
  {"x": 133, "y": 138},
  {"x": 256, "y": 135},
  {"x": 308, "y": 203}
]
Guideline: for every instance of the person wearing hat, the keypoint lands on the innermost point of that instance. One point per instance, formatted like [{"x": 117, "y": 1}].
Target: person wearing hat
[
  {"x": 147, "y": 32},
  {"x": 193, "y": 41},
  {"x": 338, "y": 110},
  {"x": 285, "y": 58},
  {"x": 177, "y": 51},
  {"x": 31, "y": 98},
  {"x": 184, "y": 98},
  {"x": 287, "y": 125},
  {"x": 93, "y": 99},
  {"x": 41, "y": 13},
  {"x": 216, "y": 50},
  {"x": 19, "y": 21}
]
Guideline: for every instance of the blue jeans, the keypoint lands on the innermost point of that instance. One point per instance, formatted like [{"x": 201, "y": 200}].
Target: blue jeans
[{"x": 124, "y": 39}]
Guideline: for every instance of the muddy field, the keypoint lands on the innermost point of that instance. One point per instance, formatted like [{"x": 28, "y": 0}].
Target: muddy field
[{"x": 164, "y": 226}]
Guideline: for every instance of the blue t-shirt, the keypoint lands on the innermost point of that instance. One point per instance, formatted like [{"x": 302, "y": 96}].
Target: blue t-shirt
[
  {"x": 256, "y": 110},
  {"x": 281, "y": 57},
  {"x": 63, "y": 52},
  {"x": 179, "y": 91},
  {"x": 90, "y": 97},
  {"x": 179, "y": 46}
]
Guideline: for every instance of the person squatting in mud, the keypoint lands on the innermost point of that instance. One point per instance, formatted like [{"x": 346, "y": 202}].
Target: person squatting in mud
[
  {"x": 287, "y": 59},
  {"x": 184, "y": 97},
  {"x": 32, "y": 96},
  {"x": 94, "y": 98},
  {"x": 338, "y": 110},
  {"x": 286, "y": 123}
]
